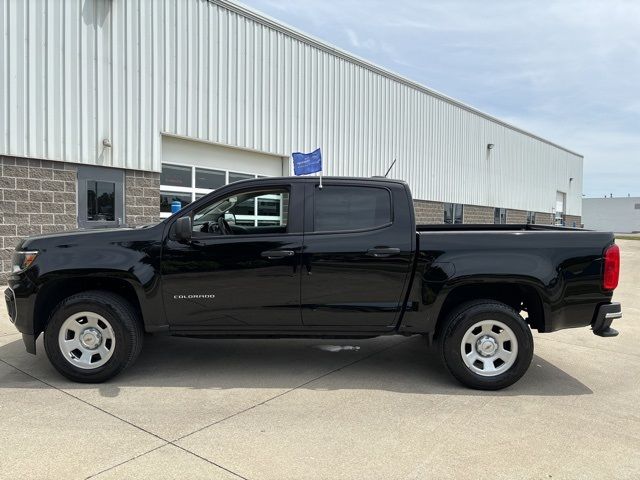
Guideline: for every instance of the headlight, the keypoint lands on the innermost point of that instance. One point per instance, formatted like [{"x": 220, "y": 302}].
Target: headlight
[{"x": 23, "y": 260}]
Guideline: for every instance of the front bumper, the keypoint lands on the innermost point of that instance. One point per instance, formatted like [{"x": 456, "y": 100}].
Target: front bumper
[
  {"x": 20, "y": 300},
  {"x": 10, "y": 300},
  {"x": 606, "y": 314},
  {"x": 28, "y": 339}
]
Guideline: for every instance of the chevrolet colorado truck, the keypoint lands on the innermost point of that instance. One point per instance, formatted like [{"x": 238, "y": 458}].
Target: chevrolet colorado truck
[{"x": 286, "y": 257}]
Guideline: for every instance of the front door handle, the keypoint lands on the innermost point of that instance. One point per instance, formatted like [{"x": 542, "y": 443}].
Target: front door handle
[
  {"x": 380, "y": 252},
  {"x": 273, "y": 254}
]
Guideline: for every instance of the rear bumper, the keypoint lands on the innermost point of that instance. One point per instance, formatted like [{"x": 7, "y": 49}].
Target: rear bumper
[{"x": 606, "y": 314}]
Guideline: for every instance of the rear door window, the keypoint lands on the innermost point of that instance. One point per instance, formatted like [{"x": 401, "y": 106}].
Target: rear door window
[{"x": 341, "y": 208}]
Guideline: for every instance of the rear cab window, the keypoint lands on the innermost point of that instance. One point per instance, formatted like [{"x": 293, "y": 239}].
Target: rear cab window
[{"x": 346, "y": 208}]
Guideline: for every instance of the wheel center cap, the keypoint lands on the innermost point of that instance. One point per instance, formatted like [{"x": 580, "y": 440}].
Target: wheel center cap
[
  {"x": 91, "y": 338},
  {"x": 486, "y": 346}
]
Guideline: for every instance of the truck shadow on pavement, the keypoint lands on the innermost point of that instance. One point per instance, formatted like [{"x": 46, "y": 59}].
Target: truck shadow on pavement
[{"x": 395, "y": 364}]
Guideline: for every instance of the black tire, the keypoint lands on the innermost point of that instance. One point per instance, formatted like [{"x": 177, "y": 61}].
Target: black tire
[
  {"x": 123, "y": 319},
  {"x": 460, "y": 320}
]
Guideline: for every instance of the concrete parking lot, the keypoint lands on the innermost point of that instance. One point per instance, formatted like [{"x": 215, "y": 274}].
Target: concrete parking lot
[{"x": 298, "y": 409}]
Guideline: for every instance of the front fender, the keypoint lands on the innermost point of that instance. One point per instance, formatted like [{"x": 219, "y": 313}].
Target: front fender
[{"x": 125, "y": 261}]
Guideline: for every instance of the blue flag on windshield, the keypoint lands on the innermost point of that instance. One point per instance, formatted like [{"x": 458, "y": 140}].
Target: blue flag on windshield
[{"x": 306, "y": 163}]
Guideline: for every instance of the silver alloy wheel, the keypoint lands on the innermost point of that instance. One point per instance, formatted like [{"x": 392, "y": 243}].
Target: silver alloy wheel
[
  {"x": 86, "y": 340},
  {"x": 489, "y": 348}
]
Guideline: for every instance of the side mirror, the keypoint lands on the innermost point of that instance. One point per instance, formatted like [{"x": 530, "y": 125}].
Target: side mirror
[{"x": 184, "y": 229}]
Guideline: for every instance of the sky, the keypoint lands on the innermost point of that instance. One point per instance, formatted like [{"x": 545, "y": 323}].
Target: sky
[{"x": 568, "y": 71}]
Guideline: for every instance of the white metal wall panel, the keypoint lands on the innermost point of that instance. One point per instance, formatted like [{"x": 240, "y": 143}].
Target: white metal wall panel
[
  {"x": 180, "y": 151},
  {"x": 78, "y": 71},
  {"x": 620, "y": 214}
]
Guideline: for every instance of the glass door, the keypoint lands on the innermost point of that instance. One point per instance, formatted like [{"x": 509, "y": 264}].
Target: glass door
[{"x": 100, "y": 197}]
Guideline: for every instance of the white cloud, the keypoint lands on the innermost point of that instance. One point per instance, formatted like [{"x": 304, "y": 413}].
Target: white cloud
[{"x": 353, "y": 38}]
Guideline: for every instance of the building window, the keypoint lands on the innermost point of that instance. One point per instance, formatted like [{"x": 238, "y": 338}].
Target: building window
[
  {"x": 499, "y": 215},
  {"x": 167, "y": 198},
  {"x": 210, "y": 179},
  {"x": 101, "y": 201},
  {"x": 175, "y": 175},
  {"x": 237, "y": 177},
  {"x": 100, "y": 197},
  {"x": 185, "y": 184},
  {"x": 452, "y": 213},
  {"x": 531, "y": 218}
]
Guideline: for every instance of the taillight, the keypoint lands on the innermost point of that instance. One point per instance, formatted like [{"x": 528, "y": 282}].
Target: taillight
[{"x": 611, "y": 271}]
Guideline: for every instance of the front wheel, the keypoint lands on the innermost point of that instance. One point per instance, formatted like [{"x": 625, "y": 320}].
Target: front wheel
[
  {"x": 486, "y": 345},
  {"x": 93, "y": 336}
]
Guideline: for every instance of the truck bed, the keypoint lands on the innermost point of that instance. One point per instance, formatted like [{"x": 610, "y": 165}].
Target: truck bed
[{"x": 561, "y": 267}]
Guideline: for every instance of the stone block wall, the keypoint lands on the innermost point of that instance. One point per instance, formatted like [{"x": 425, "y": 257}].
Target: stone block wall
[
  {"x": 544, "y": 218},
  {"x": 428, "y": 212},
  {"x": 40, "y": 196},
  {"x": 141, "y": 197},
  {"x": 477, "y": 214},
  {"x": 36, "y": 196},
  {"x": 570, "y": 219},
  {"x": 516, "y": 216}
]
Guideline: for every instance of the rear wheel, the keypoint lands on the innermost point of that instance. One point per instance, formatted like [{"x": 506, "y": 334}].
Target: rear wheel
[
  {"x": 486, "y": 345},
  {"x": 93, "y": 336}
]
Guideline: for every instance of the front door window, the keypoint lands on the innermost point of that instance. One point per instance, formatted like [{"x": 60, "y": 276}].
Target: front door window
[{"x": 248, "y": 213}]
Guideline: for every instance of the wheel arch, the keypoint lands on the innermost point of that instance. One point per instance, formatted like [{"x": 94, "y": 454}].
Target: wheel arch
[
  {"x": 516, "y": 295},
  {"x": 53, "y": 292}
]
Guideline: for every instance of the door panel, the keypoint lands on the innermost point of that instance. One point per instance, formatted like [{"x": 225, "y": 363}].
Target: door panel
[
  {"x": 355, "y": 278},
  {"x": 228, "y": 282},
  {"x": 239, "y": 280}
]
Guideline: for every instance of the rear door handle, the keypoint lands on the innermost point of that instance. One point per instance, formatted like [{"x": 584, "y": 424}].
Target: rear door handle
[
  {"x": 273, "y": 254},
  {"x": 380, "y": 252}
]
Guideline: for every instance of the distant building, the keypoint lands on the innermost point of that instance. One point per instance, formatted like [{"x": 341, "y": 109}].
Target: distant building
[{"x": 612, "y": 214}]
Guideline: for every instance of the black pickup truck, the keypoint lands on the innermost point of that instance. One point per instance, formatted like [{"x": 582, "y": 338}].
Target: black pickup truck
[{"x": 282, "y": 257}]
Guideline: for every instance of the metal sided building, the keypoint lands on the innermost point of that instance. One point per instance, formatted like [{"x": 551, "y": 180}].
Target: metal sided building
[
  {"x": 112, "y": 109},
  {"x": 619, "y": 214}
]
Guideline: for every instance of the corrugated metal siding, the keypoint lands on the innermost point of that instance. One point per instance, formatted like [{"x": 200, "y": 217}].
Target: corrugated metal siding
[
  {"x": 76, "y": 72},
  {"x": 79, "y": 71}
]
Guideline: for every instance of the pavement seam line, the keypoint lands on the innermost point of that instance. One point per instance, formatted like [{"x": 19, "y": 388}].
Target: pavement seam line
[
  {"x": 166, "y": 442},
  {"x": 93, "y": 475},
  {"x": 172, "y": 442},
  {"x": 289, "y": 391},
  {"x": 86, "y": 402},
  {"x": 208, "y": 461}
]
